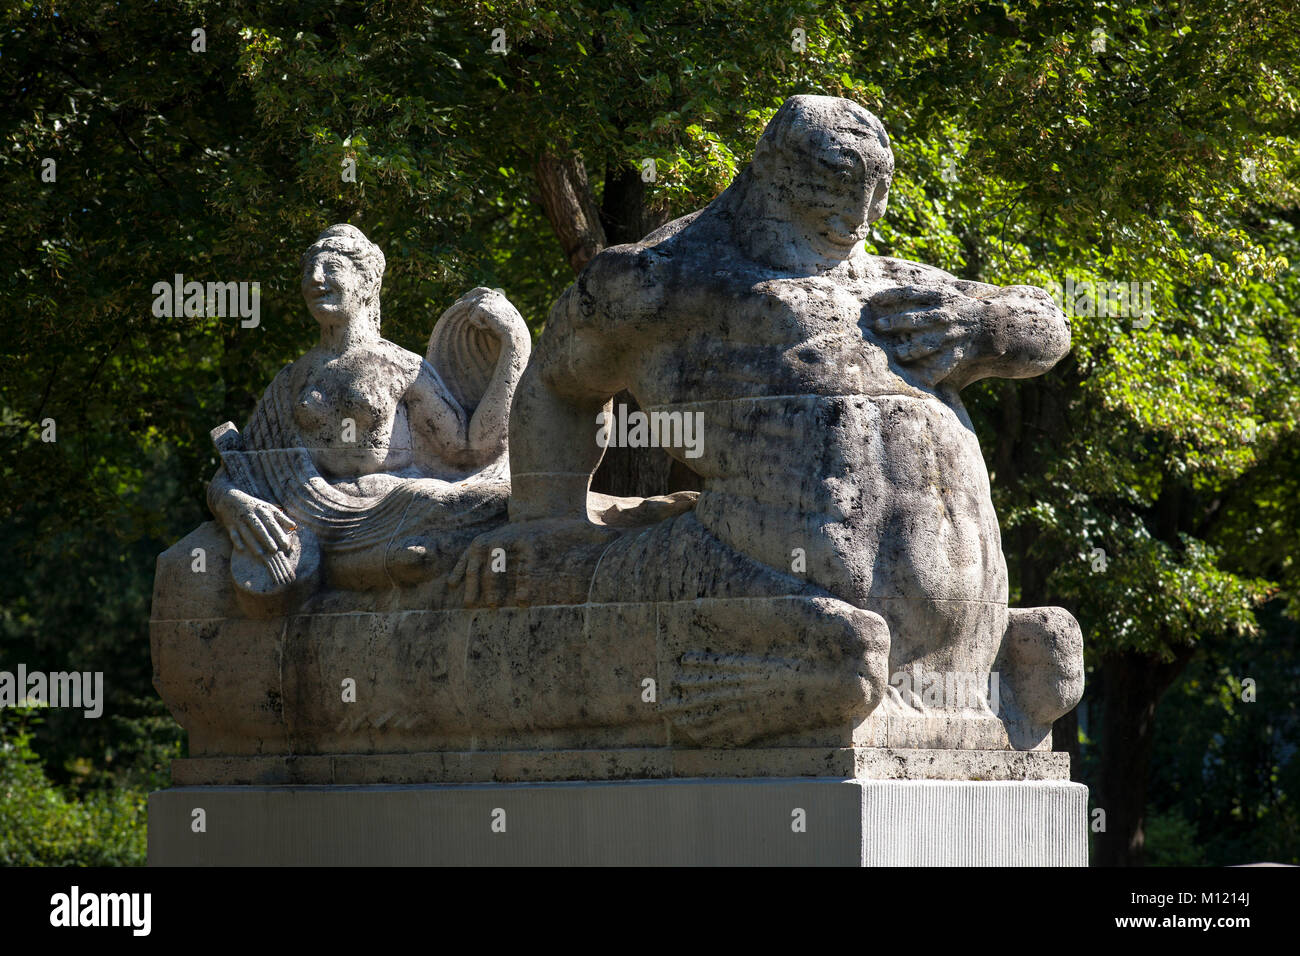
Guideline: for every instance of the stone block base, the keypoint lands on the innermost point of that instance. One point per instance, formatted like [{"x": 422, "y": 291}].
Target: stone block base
[{"x": 701, "y": 822}]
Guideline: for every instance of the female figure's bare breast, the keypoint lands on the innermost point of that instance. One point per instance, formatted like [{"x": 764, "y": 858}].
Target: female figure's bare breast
[{"x": 349, "y": 411}]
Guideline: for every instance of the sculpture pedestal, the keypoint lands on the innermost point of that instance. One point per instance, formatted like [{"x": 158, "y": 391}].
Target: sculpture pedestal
[{"x": 711, "y": 822}]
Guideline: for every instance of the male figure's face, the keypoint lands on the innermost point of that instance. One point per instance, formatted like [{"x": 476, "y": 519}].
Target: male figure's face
[{"x": 836, "y": 176}]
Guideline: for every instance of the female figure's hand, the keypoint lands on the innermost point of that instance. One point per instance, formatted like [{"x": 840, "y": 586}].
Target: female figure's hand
[{"x": 256, "y": 525}]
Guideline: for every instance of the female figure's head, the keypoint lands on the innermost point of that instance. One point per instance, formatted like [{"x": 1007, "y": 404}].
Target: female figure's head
[{"x": 341, "y": 276}]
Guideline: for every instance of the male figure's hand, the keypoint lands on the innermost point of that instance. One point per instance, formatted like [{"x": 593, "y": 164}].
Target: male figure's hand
[
  {"x": 930, "y": 329},
  {"x": 546, "y": 560}
]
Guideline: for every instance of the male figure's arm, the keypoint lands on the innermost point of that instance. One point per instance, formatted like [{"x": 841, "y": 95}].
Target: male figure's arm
[
  {"x": 955, "y": 331},
  {"x": 579, "y": 364},
  {"x": 553, "y": 448}
]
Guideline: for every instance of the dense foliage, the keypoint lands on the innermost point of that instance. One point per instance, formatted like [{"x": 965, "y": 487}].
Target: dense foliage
[{"x": 41, "y": 825}]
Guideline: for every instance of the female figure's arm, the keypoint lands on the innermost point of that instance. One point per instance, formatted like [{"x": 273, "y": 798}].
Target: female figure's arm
[
  {"x": 438, "y": 423},
  {"x": 489, "y": 427},
  {"x": 460, "y": 402},
  {"x": 253, "y": 524}
]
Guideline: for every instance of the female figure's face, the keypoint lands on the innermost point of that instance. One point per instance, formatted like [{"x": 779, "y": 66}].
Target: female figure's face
[{"x": 334, "y": 287}]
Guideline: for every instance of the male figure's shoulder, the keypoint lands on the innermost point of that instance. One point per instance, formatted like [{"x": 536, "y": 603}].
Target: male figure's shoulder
[
  {"x": 617, "y": 303},
  {"x": 632, "y": 275},
  {"x": 637, "y": 272},
  {"x": 904, "y": 272}
]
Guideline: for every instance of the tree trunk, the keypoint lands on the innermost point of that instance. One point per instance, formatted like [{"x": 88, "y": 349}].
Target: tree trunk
[
  {"x": 1022, "y": 412},
  {"x": 570, "y": 206},
  {"x": 1132, "y": 685},
  {"x": 625, "y": 210},
  {"x": 1065, "y": 739}
]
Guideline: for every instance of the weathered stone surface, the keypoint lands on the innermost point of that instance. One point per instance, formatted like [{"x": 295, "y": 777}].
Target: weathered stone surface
[
  {"x": 631, "y": 763},
  {"x": 590, "y": 675},
  {"x": 838, "y": 584},
  {"x": 364, "y": 466}
]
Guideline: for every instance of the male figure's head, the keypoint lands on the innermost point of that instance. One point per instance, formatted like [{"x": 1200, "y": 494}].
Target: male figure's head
[{"x": 819, "y": 178}]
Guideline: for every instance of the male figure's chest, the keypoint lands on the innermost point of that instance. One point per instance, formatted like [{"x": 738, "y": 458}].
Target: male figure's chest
[{"x": 742, "y": 335}]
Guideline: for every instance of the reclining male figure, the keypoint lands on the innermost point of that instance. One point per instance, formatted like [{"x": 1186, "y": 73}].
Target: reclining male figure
[{"x": 839, "y": 465}]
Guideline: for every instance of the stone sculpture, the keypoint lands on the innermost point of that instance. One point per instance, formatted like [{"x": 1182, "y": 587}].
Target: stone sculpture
[
  {"x": 364, "y": 450},
  {"x": 842, "y": 561}
]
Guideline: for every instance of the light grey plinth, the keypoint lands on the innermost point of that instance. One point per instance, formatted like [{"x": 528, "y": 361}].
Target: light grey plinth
[{"x": 679, "y": 822}]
